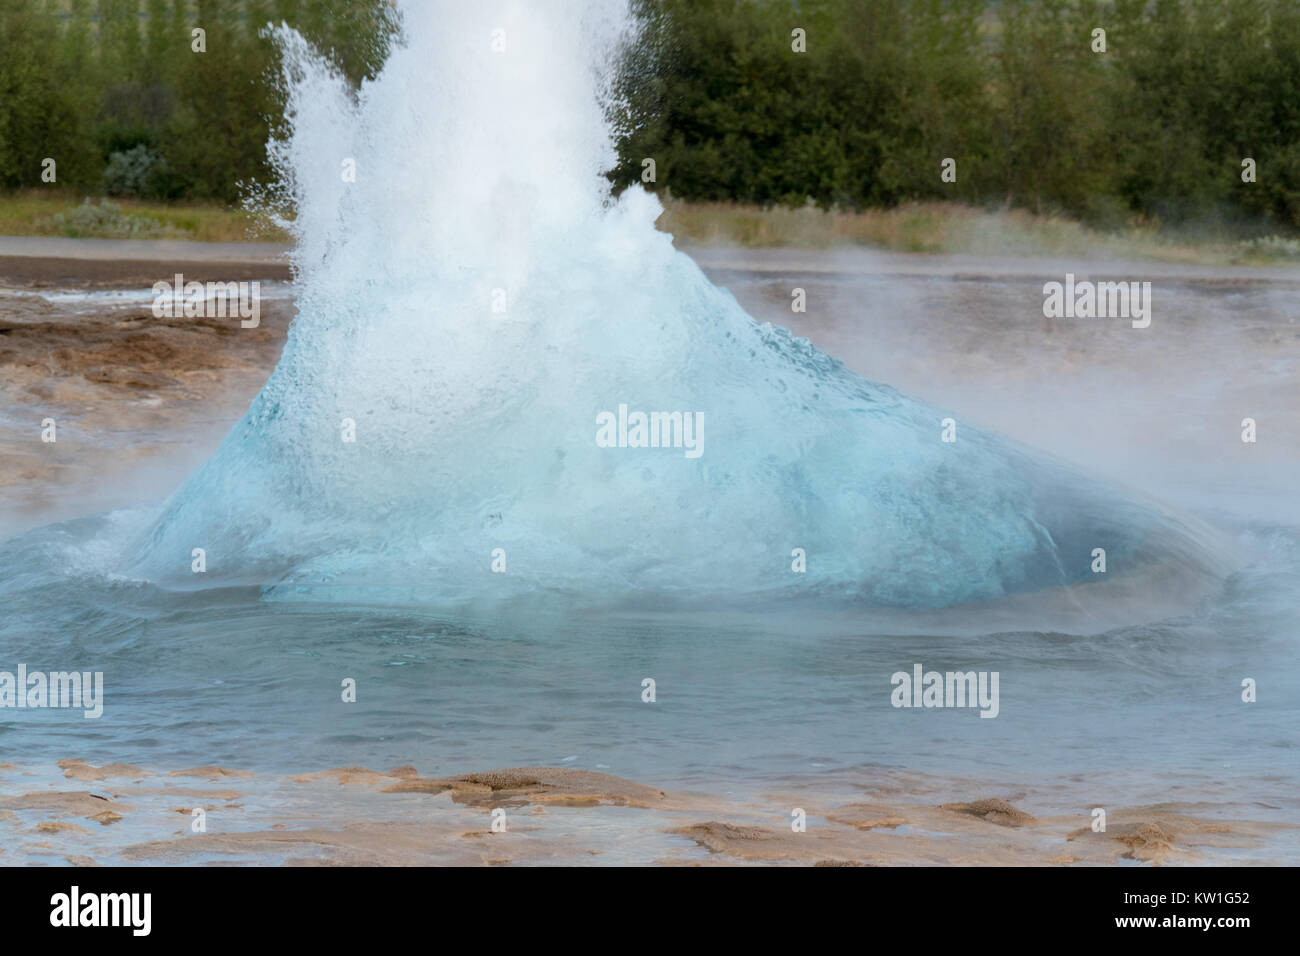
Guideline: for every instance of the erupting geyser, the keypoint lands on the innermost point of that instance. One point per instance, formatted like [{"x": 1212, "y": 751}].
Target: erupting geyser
[{"x": 475, "y": 310}]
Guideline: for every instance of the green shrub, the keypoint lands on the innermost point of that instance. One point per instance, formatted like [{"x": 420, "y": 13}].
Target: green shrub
[
  {"x": 137, "y": 172},
  {"x": 106, "y": 219}
]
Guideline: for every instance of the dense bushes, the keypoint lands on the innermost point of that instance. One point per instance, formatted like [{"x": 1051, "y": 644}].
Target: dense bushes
[
  {"x": 1155, "y": 128},
  {"x": 114, "y": 93}
]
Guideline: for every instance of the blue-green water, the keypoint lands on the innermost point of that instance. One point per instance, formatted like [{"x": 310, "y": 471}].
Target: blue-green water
[{"x": 224, "y": 676}]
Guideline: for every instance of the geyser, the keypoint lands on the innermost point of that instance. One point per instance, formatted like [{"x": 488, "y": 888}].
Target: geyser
[{"x": 473, "y": 299}]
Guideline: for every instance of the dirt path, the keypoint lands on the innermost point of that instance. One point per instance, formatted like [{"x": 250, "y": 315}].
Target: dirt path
[{"x": 30, "y": 258}]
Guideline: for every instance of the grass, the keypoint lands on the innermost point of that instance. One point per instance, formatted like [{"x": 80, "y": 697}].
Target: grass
[
  {"x": 39, "y": 213},
  {"x": 917, "y": 227},
  {"x": 953, "y": 228}
]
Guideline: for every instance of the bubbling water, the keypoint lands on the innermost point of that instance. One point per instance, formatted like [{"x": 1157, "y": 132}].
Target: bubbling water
[{"x": 474, "y": 300}]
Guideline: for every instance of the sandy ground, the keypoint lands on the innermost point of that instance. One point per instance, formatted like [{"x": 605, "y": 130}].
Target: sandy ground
[
  {"x": 122, "y": 814},
  {"x": 136, "y": 400}
]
